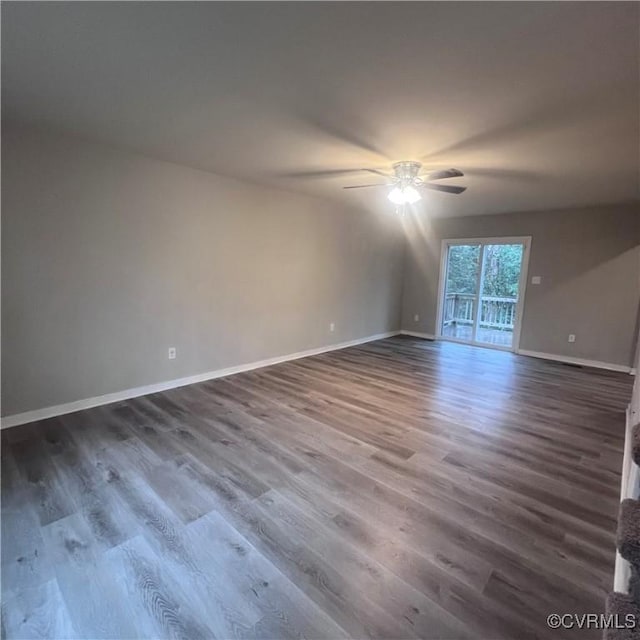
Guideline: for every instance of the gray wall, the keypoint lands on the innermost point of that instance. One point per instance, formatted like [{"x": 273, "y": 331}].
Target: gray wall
[
  {"x": 589, "y": 260},
  {"x": 109, "y": 258}
]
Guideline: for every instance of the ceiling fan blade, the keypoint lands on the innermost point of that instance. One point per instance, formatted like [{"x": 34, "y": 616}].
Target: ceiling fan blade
[
  {"x": 446, "y": 173},
  {"x": 506, "y": 174},
  {"x": 364, "y": 186},
  {"x": 444, "y": 187}
]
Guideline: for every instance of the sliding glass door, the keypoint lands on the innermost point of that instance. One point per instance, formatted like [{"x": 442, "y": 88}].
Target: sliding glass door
[
  {"x": 461, "y": 291},
  {"x": 480, "y": 296}
]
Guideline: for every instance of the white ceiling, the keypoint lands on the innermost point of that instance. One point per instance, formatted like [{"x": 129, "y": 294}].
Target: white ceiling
[{"x": 538, "y": 103}]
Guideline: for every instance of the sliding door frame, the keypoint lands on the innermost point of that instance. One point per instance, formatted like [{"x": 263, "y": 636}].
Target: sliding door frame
[{"x": 522, "y": 285}]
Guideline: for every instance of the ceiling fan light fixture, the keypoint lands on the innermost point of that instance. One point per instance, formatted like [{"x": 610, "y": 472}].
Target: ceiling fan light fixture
[
  {"x": 396, "y": 196},
  {"x": 411, "y": 195},
  {"x": 404, "y": 195},
  {"x": 406, "y": 182}
]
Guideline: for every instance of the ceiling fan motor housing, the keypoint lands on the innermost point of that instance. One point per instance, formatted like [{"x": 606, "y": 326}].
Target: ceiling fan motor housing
[{"x": 407, "y": 171}]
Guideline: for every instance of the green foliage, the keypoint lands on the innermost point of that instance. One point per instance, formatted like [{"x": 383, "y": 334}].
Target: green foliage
[
  {"x": 501, "y": 269},
  {"x": 462, "y": 274},
  {"x": 502, "y": 264}
]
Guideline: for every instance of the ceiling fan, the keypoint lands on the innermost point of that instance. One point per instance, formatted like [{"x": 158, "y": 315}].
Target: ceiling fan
[{"x": 406, "y": 182}]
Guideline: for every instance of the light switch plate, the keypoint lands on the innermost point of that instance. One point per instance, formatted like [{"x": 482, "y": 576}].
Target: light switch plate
[{"x": 536, "y": 279}]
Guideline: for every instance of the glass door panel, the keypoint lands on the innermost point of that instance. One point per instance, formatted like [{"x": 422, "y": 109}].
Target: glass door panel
[
  {"x": 461, "y": 291},
  {"x": 499, "y": 291}
]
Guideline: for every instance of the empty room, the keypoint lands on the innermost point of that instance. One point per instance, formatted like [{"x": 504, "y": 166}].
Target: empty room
[{"x": 320, "y": 320}]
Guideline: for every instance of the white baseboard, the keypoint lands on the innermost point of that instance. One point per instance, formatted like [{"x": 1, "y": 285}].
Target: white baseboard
[
  {"x": 88, "y": 403},
  {"x": 417, "y": 334},
  {"x": 579, "y": 361}
]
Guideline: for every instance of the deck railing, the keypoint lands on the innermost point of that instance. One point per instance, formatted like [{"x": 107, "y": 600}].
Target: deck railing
[{"x": 495, "y": 312}]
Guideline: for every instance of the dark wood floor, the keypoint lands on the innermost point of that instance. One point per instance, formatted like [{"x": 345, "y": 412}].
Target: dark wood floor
[{"x": 398, "y": 489}]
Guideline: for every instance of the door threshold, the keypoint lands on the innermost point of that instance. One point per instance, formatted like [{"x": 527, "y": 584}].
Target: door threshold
[{"x": 485, "y": 345}]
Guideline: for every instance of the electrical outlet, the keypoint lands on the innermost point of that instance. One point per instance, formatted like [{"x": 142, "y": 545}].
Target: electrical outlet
[
  {"x": 332, "y": 326},
  {"x": 172, "y": 353},
  {"x": 536, "y": 279},
  {"x": 416, "y": 318},
  {"x": 572, "y": 337}
]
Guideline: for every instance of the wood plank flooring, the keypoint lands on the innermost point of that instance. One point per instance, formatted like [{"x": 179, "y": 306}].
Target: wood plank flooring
[{"x": 399, "y": 489}]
